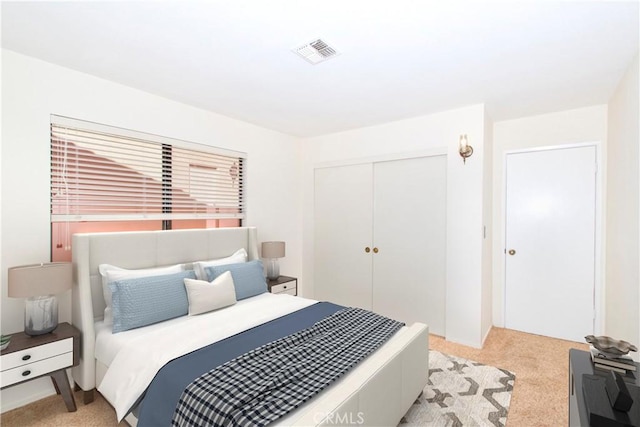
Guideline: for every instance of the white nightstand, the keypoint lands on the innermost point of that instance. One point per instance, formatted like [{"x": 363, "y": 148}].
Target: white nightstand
[
  {"x": 30, "y": 357},
  {"x": 283, "y": 285}
]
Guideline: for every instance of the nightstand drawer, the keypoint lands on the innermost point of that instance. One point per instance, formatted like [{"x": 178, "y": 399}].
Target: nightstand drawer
[
  {"x": 35, "y": 369},
  {"x": 290, "y": 291},
  {"x": 284, "y": 287},
  {"x": 34, "y": 354}
]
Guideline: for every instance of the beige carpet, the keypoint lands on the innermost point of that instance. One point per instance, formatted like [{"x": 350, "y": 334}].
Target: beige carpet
[
  {"x": 541, "y": 366},
  {"x": 539, "y": 398}
]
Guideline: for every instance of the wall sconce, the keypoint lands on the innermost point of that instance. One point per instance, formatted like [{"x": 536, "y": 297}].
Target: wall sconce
[{"x": 465, "y": 149}]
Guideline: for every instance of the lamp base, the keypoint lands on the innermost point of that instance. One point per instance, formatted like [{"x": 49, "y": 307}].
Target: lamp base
[
  {"x": 273, "y": 269},
  {"x": 40, "y": 315}
]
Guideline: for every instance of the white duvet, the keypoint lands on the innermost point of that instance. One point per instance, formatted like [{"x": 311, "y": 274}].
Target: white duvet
[{"x": 148, "y": 349}]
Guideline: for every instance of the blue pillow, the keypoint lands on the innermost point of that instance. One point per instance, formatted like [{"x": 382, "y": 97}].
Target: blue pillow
[
  {"x": 248, "y": 277},
  {"x": 146, "y": 300}
]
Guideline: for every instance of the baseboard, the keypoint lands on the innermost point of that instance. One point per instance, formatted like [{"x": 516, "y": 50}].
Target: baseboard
[
  {"x": 28, "y": 392},
  {"x": 13, "y": 403},
  {"x": 486, "y": 335}
]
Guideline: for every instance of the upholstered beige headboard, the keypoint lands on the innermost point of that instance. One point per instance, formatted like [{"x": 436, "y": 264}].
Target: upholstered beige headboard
[{"x": 133, "y": 250}]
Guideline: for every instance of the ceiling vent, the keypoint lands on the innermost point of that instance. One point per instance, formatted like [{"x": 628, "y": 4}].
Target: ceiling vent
[{"x": 316, "y": 51}]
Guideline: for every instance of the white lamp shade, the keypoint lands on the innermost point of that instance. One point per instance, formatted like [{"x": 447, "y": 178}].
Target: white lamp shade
[
  {"x": 272, "y": 249},
  {"x": 39, "y": 279}
]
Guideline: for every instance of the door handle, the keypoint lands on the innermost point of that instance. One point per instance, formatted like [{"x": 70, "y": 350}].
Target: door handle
[
  {"x": 367, "y": 249},
  {"x": 375, "y": 250},
  {"x": 512, "y": 251}
]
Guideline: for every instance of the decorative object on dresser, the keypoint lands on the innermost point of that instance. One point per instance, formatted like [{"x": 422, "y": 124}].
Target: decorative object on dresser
[
  {"x": 611, "y": 354},
  {"x": 622, "y": 364},
  {"x": 610, "y": 347},
  {"x": 618, "y": 393},
  {"x": 29, "y": 357},
  {"x": 283, "y": 285},
  {"x": 271, "y": 251},
  {"x": 39, "y": 283}
]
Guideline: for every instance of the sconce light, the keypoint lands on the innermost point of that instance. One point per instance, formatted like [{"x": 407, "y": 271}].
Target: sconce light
[{"x": 465, "y": 149}]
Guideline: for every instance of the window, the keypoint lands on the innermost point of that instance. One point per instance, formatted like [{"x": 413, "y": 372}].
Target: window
[{"x": 111, "y": 179}]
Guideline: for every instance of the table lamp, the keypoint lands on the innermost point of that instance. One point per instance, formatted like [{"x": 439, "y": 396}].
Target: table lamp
[
  {"x": 38, "y": 283},
  {"x": 271, "y": 251}
]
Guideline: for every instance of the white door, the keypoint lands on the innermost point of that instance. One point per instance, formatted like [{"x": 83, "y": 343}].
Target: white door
[
  {"x": 550, "y": 242},
  {"x": 409, "y": 269},
  {"x": 343, "y": 222}
]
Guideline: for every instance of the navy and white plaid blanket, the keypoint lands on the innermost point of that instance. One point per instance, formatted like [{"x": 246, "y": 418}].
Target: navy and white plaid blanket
[{"x": 270, "y": 381}]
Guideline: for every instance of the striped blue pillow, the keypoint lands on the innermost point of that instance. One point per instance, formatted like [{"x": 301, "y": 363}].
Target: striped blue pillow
[
  {"x": 248, "y": 277},
  {"x": 146, "y": 300}
]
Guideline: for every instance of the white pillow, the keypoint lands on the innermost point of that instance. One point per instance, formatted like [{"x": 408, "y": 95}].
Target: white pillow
[
  {"x": 208, "y": 296},
  {"x": 238, "y": 256},
  {"x": 111, "y": 273}
]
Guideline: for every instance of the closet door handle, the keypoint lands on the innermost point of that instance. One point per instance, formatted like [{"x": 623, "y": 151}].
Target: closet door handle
[
  {"x": 367, "y": 249},
  {"x": 375, "y": 250}
]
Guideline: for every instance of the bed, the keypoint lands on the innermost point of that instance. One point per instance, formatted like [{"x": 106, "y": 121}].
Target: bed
[{"x": 377, "y": 391}]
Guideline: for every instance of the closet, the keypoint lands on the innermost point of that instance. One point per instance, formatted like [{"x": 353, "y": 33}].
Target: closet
[{"x": 380, "y": 242}]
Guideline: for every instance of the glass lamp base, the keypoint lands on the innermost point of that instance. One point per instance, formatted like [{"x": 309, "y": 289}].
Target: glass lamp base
[
  {"x": 273, "y": 268},
  {"x": 40, "y": 315}
]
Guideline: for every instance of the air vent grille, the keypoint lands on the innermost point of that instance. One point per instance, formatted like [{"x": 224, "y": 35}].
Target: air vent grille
[{"x": 316, "y": 51}]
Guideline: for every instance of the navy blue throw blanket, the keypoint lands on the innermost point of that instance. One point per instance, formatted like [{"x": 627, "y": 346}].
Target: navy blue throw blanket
[
  {"x": 268, "y": 382},
  {"x": 161, "y": 398}
]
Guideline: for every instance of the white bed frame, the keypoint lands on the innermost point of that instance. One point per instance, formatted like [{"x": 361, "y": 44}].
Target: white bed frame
[{"x": 378, "y": 392}]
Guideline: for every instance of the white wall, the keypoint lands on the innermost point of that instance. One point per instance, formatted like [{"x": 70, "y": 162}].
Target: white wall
[
  {"x": 32, "y": 90},
  {"x": 554, "y": 129},
  {"x": 439, "y": 131},
  {"x": 623, "y": 195}
]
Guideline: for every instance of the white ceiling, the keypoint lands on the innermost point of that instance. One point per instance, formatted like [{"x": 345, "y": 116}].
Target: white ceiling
[{"x": 397, "y": 59}]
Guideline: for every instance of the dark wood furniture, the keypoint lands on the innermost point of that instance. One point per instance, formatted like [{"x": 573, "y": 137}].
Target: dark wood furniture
[
  {"x": 283, "y": 284},
  {"x": 579, "y": 364},
  {"x": 29, "y": 357}
]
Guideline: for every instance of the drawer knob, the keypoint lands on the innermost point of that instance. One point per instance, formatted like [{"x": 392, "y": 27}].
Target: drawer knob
[
  {"x": 26, "y": 373},
  {"x": 26, "y": 357}
]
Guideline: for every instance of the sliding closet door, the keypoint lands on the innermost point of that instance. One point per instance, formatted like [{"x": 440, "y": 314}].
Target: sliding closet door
[
  {"x": 409, "y": 234},
  {"x": 343, "y": 224}
]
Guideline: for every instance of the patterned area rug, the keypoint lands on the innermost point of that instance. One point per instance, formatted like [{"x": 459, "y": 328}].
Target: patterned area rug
[{"x": 461, "y": 392}]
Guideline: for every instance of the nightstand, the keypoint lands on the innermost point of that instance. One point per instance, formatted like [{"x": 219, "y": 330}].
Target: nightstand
[
  {"x": 283, "y": 285},
  {"x": 29, "y": 357}
]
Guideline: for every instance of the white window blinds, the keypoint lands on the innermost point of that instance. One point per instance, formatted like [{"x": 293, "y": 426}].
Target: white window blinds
[{"x": 102, "y": 173}]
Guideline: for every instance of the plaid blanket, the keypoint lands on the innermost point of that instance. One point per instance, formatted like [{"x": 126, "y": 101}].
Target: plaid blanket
[{"x": 270, "y": 381}]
